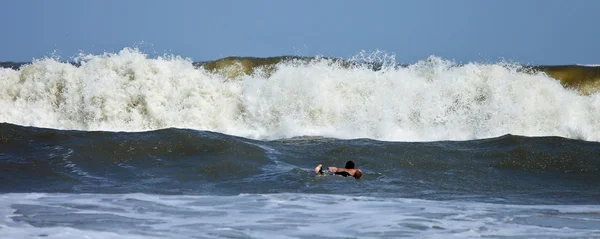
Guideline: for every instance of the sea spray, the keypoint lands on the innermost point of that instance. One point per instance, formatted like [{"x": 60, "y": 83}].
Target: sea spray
[{"x": 433, "y": 99}]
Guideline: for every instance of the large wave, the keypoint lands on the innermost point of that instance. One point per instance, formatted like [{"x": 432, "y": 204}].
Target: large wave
[{"x": 433, "y": 99}]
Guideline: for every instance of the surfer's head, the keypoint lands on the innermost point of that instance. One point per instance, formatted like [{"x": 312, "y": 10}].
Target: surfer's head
[
  {"x": 357, "y": 174},
  {"x": 349, "y": 165}
]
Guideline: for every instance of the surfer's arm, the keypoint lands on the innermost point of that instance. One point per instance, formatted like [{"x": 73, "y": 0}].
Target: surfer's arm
[{"x": 341, "y": 170}]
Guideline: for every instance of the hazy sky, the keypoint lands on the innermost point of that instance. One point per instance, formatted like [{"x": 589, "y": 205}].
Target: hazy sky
[{"x": 525, "y": 31}]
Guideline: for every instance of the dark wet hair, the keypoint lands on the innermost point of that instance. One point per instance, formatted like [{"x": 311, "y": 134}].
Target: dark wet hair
[{"x": 350, "y": 165}]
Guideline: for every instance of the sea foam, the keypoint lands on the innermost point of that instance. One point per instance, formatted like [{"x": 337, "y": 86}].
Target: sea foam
[{"x": 433, "y": 99}]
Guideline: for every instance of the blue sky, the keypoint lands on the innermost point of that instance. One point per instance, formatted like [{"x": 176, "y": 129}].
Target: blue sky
[{"x": 530, "y": 32}]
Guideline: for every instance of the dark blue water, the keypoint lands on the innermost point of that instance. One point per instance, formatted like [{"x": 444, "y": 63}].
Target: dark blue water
[{"x": 507, "y": 169}]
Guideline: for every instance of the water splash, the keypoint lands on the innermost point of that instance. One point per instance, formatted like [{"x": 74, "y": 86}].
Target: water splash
[{"x": 434, "y": 99}]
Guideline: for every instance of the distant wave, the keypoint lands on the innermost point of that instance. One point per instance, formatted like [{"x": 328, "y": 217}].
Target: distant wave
[
  {"x": 283, "y": 97},
  {"x": 589, "y": 65}
]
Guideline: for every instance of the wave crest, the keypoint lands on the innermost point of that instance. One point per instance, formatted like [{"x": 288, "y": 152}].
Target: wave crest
[{"x": 282, "y": 97}]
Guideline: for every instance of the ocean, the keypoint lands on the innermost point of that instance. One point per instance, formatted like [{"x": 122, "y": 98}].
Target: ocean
[{"x": 125, "y": 145}]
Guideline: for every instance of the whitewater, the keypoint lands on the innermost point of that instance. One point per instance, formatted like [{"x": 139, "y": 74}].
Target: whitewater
[
  {"x": 431, "y": 100},
  {"x": 128, "y": 145}
]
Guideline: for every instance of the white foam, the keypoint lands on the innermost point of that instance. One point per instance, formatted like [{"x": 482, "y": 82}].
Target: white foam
[
  {"x": 285, "y": 216},
  {"x": 431, "y": 100},
  {"x": 590, "y": 65}
]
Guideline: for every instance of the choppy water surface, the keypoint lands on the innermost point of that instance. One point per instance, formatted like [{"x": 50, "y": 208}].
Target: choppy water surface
[{"x": 125, "y": 146}]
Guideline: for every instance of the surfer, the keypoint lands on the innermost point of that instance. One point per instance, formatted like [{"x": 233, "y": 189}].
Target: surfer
[{"x": 347, "y": 171}]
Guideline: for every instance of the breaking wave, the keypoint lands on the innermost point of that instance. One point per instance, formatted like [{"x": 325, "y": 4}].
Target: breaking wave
[{"x": 283, "y": 97}]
